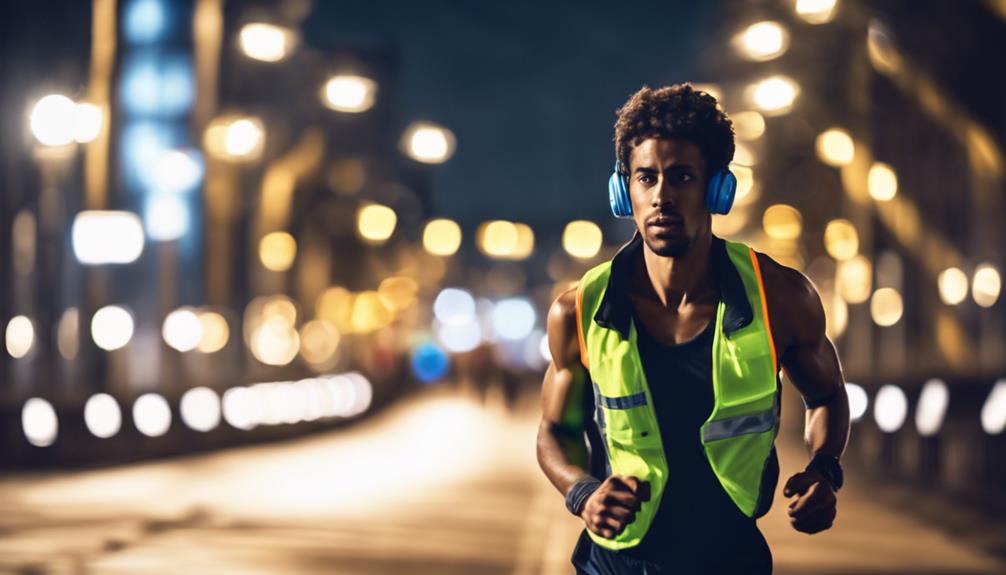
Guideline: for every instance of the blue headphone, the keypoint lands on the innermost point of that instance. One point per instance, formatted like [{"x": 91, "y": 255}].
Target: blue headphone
[{"x": 719, "y": 193}]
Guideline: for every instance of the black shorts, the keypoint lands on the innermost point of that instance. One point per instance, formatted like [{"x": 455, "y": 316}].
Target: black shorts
[{"x": 590, "y": 558}]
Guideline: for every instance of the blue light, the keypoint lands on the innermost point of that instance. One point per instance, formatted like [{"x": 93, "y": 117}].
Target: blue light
[
  {"x": 157, "y": 86},
  {"x": 144, "y": 21},
  {"x": 429, "y": 362},
  {"x": 142, "y": 144}
]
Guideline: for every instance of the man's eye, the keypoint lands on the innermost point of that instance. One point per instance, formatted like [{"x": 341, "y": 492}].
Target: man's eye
[
  {"x": 685, "y": 177},
  {"x": 646, "y": 179}
]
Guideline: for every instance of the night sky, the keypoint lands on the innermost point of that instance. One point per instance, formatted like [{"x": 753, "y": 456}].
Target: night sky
[{"x": 529, "y": 88}]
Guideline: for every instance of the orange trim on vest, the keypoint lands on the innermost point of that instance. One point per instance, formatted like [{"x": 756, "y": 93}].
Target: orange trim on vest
[
  {"x": 764, "y": 307},
  {"x": 579, "y": 326}
]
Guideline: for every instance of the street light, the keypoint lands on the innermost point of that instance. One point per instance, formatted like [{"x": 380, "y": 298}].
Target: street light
[
  {"x": 762, "y": 41},
  {"x": 428, "y": 143},
  {"x": 774, "y": 95},
  {"x": 348, "y": 93},
  {"x": 267, "y": 42}
]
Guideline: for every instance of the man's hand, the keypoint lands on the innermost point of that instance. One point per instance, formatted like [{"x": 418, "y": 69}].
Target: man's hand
[
  {"x": 614, "y": 504},
  {"x": 814, "y": 509}
]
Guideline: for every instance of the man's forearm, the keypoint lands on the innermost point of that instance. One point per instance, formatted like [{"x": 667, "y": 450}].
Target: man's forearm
[
  {"x": 827, "y": 426},
  {"x": 564, "y": 459}
]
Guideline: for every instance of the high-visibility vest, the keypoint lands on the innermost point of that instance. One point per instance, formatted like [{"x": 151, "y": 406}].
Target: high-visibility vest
[{"x": 739, "y": 435}]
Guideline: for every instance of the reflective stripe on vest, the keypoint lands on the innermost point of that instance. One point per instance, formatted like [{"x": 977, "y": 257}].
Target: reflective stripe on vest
[{"x": 740, "y": 432}]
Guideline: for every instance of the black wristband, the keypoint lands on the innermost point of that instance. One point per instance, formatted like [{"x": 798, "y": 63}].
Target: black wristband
[
  {"x": 578, "y": 494},
  {"x": 828, "y": 466}
]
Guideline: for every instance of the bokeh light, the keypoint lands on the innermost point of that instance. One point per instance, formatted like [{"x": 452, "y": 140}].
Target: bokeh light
[
  {"x": 429, "y": 143},
  {"x": 102, "y": 415},
  {"x": 953, "y": 284},
  {"x": 582, "y": 239},
  {"x": 816, "y": 11},
  {"x": 748, "y": 125},
  {"x": 266, "y": 42},
  {"x": 782, "y": 222},
  {"x": 932, "y": 407},
  {"x": 890, "y": 408},
  {"x": 349, "y": 93},
  {"x": 376, "y": 223},
  {"x": 513, "y": 318},
  {"x": 986, "y": 285},
  {"x": 277, "y": 251},
  {"x": 152, "y": 414},
  {"x": 182, "y": 329},
  {"x": 442, "y": 237},
  {"x": 882, "y": 182},
  {"x": 774, "y": 95},
  {"x": 429, "y": 362},
  {"x": 762, "y": 41},
  {"x": 841, "y": 239},
  {"x": 112, "y": 327},
  {"x": 39, "y": 422},
  {"x": 993, "y": 416},
  {"x": 835, "y": 147},
  {"x": 107, "y": 237},
  {"x": 20, "y": 336},
  {"x": 215, "y": 332},
  {"x": 200, "y": 409},
  {"x": 859, "y": 401},
  {"x": 52, "y": 120},
  {"x": 886, "y": 307}
]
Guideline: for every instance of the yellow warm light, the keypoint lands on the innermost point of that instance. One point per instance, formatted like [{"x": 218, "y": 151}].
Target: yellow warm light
[
  {"x": 275, "y": 341},
  {"x": 429, "y": 143},
  {"x": 497, "y": 238},
  {"x": 235, "y": 138},
  {"x": 836, "y": 312},
  {"x": 782, "y": 222},
  {"x": 525, "y": 242},
  {"x": 835, "y": 147},
  {"x": 744, "y": 156},
  {"x": 774, "y": 95},
  {"x": 730, "y": 224},
  {"x": 745, "y": 184},
  {"x": 277, "y": 251},
  {"x": 347, "y": 93},
  {"x": 398, "y": 293},
  {"x": 886, "y": 307},
  {"x": 855, "y": 279},
  {"x": 582, "y": 239},
  {"x": 369, "y": 313},
  {"x": 762, "y": 41},
  {"x": 442, "y": 237},
  {"x": 20, "y": 336},
  {"x": 266, "y": 42},
  {"x": 882, "y": 182},
  {"x": 68, "y": 333},
  {"x": 215, "y": 332},
  {"x": 841, "y": 239},
  {"x": 376, "y": 223},
  {"x": 748, "y": 125},
  {"x": 319, "y": 340},
  {"x": 816, "y": 11},
  {"x": 986, "y": 285},
  {"x": 335, "y": 305},
  {"x": 953, "y": 284}
]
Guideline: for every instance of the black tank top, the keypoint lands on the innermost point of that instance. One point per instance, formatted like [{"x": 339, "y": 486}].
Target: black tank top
[{"x": 697, "y": 528}]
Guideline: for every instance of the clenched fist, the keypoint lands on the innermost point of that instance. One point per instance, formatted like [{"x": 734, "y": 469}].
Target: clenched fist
[
  {"x": 814, "y": 509},
  {"x": 614, "y": 504}
]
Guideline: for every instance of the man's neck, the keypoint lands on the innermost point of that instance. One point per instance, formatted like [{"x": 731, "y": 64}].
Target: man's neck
[{"x": 679, "y": 281}]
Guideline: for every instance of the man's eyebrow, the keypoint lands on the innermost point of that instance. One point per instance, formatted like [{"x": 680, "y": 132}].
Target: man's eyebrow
[{"x": 671, "y": 168}]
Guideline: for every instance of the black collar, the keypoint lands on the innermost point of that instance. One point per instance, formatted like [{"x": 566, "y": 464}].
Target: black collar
[{"x": 615, "y": 311}]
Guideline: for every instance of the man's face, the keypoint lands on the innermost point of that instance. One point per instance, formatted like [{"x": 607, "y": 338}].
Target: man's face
[{"x": 667, "y": 188}]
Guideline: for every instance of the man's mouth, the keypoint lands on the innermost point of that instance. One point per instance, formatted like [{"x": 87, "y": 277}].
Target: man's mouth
[{"x": 666, "y": 223}]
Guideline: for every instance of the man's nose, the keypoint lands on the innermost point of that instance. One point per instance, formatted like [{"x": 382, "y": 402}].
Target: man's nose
[{"x": 664, "y": 193}]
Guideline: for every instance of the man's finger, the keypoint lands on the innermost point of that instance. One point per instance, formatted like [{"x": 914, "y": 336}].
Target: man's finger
[
  {"x": 798, "y": 484},
  {"x": 620, "y": 513},
  {"x": 632, "y": 484},
  {"x": 622, "y": 498}
]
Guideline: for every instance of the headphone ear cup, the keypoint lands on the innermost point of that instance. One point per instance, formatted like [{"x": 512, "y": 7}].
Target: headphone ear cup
[
  {"x": 721, "y": 191},
  {"x": 618, "y": 194}
]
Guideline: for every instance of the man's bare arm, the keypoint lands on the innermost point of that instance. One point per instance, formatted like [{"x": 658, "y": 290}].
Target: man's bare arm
[
  {"x": 812, "y": 364},
  {"x": 810, "y": 361},
  {"x": 562, "y": 452}
]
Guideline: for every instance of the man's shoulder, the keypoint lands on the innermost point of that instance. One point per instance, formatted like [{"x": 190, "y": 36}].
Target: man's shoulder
[{"x": 793, "y": 301}]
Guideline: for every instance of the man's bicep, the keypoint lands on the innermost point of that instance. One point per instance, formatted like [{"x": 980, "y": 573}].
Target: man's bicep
[
  {"x": 566, "y": 379},
  {"x": 811, "y": 361}
]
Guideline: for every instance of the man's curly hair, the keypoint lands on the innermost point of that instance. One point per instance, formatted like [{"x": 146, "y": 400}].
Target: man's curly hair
[{"x": 677, "y": 111}]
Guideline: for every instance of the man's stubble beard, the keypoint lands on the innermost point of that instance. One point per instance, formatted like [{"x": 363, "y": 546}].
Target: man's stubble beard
[{"x": 671, "y": 250}]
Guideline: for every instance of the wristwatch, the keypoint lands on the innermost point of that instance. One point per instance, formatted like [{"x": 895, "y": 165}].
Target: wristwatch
[{"x": 829, "y": 466}]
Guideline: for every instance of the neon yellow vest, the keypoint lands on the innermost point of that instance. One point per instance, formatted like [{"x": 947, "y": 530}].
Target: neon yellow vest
[{"x": 738, "y": 436}]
